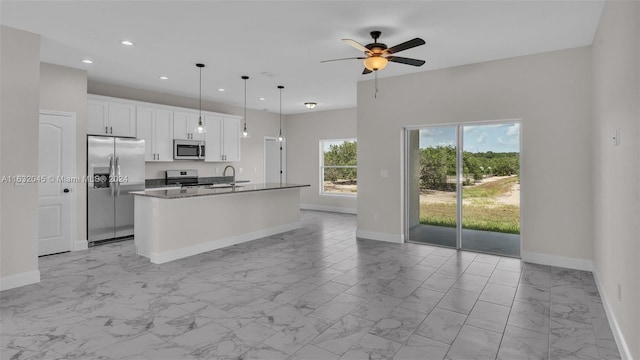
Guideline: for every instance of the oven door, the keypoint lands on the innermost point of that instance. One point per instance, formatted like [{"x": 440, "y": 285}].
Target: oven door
[{"x": 188, "y": 150}]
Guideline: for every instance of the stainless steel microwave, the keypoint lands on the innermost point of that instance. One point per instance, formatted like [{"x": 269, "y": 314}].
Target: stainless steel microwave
[{"x": 188, "y": 150}]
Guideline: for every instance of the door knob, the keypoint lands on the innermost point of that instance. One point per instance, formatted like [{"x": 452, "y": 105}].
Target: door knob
[{"x": 66, "y": 190}]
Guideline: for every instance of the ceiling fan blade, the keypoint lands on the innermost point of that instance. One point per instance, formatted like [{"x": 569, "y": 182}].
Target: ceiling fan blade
[
  {"x": 366, "y": 71},
  {"x": 351, "y": 58},
  {"x": 356, "y": 45},
  {"x": 405, "y": 45},
  {"x": 404, "y": 60}
]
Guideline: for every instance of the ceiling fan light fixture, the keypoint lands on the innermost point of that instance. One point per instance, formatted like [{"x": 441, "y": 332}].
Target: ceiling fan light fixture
[
  {"x": 375, "y": 63},
  {"x": 310, "y": 105}
]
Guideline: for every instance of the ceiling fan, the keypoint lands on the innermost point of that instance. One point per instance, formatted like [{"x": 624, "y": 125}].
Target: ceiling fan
[{"x": 378, "y": 54}]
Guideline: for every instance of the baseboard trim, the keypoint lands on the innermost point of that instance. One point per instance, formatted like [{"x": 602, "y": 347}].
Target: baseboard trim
[
  {"x": 623, "y": 348},
  {"x": 80, "y": 245},
  {"x": 372, "y": 235},
  {"x": 335, "y": 209},
  {"x": 17, "y": 280},
  {"x": 559, "y": 261},
  {"x": 166, "y": 256}
]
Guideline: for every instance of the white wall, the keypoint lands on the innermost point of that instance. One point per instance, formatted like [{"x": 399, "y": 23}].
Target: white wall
[
  {"x": 550, "y": 93},
  {"x": 616, "y": 169},
  {"x": 19, "y": 99},
  {"x": 303, "y": 133},
  {"x": 65, "y": 89},
  {"x": 259, "y": 124}
]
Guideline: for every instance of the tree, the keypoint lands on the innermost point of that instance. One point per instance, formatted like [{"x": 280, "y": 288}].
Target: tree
[
  {"x": 436, "y": 163},
  {"x": 345, "y": 154}
]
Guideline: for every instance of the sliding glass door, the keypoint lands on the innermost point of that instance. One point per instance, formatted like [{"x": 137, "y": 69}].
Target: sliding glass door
[{"x": 463, "y": 187}]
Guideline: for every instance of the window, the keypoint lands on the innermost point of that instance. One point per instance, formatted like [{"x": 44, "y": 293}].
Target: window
[{"x": 339, "y": 167}]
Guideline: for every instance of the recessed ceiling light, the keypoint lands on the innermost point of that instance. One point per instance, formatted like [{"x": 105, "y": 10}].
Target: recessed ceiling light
[
  {"x": 126, "y": 43},
  {"x": 310, "y": 105},
  {"x": 261, "y": 99},
  {"x": 164, "y": 78},
  {"x": 221, "y": 89},
  {"x": 87, "y": 61}
]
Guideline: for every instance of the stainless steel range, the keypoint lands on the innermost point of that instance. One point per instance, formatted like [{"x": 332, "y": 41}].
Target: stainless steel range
[{"x": 185, "y": 178}]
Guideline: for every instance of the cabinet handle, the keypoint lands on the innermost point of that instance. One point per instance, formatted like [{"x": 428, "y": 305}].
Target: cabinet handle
[
  {"x": 110, "y": 129},
  {"x": 106, "y": 129}
]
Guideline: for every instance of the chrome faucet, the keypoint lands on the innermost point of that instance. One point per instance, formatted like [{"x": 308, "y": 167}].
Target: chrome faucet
[{"x": 224, "y": 173}]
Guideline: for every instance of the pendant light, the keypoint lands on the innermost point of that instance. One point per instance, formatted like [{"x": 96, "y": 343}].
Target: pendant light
[
  {"x": 280, "y": 136},
  {"x": 200, "y": 127},
  {"x": 245, "y": 133}
]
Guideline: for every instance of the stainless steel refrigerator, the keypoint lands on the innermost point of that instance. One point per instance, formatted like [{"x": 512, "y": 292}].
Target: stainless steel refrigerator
[{"x": 115, "y": 167}]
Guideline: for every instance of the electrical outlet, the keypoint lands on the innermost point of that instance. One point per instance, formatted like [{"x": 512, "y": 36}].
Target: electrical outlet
[
  {"x": 616, "y": 137},
  {"x": 255, "y": 169},
  {"x": 384, "y": 173},
  {"x": 217, "y": 170},
  {"x": 240, "y": 170},
  {"x": 619, "y": 292}
]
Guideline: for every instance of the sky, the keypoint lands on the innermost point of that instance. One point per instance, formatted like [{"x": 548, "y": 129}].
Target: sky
[
  {"x": 476, "y": 138},
  {"x": 326, "y": 144}
]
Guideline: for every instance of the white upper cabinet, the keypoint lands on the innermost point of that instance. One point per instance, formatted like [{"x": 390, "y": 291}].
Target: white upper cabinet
[
  {"x": 97, "y": 117},
  {"x": 213, "y": 136},
  {"x": 231, "y": 139},
  {"x": 164, "y": 135},
  {"x": 154, "y": 125},
  {"x": 160, "y": 124},
  {"x": 222, "y": 138},
  {"x": 106, "y": 117},
  {"x": 184, "y": 124}
]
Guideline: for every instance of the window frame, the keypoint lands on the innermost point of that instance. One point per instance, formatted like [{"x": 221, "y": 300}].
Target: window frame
[{"x": 322, "y": 192}]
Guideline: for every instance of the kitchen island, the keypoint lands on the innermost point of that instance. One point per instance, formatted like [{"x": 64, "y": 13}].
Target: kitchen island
[{"x": 176, "y": 223}]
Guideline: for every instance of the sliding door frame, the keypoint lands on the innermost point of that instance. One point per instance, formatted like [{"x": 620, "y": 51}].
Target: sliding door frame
[{"x": 459, "y": 168}]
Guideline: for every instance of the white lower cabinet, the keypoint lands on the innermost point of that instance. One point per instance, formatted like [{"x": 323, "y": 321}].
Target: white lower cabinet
[
  {"x": 154, "y": 125},
  {"x": 222, "y": 140}
]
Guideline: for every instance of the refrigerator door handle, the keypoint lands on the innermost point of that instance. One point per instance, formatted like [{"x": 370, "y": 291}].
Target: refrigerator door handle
[
  {"x": 118, "y": 175},
  {"x": 112, "y": 171}
]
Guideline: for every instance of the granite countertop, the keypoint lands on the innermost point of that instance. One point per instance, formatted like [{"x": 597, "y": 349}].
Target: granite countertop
[{"x": 206, "y": 191}]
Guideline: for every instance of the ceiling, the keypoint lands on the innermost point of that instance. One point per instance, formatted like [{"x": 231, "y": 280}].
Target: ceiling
[{"x": 282, "y": 43}]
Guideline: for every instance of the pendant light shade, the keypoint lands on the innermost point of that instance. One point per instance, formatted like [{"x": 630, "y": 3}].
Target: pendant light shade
[
  {"x": 200, "y": 129},
  {"x": 245, "y": 132},
  {"x": 280, "y": 136}
]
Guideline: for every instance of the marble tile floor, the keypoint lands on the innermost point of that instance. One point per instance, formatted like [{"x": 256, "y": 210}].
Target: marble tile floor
[{"x": 313, "y": 293}]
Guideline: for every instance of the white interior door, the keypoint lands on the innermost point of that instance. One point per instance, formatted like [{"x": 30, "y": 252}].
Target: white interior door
[
  {"x": 275, "y": 161},
  {"x": 56, "y": 189}
]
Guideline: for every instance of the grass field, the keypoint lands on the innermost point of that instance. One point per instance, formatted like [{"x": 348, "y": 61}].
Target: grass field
[{"x": 481, "y": 209}]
